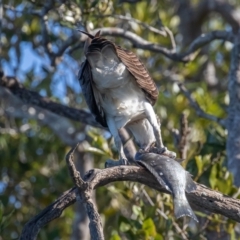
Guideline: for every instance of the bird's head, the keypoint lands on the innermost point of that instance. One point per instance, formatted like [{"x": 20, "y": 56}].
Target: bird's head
[{"x": 89, "y": 39}]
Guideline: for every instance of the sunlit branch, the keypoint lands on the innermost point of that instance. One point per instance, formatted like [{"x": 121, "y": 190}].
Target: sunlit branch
[
  {"x": 203, "y": 198},
  {"x": 186, "y": 56},
  {"x": 130, "y": 19}
]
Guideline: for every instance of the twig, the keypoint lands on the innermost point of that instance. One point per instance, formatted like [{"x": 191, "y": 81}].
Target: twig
[
  {"x": 180, "y": 231},
  {"x": 197, "y": 108},
  {"x": 161, "y": 213},
  {"x": 176, "y": 79},
  {"x": 169, "y": 32},
  {"x": 181, "y": 137},
  {"x": 130, "y": 19}
]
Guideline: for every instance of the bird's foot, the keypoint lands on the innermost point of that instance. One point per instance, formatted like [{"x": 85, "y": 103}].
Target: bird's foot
[
  {"x": 113, "y": 163},
  {"x": 163, "y": 151}
]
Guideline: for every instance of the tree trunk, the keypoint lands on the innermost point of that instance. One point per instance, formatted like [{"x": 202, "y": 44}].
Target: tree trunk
[{"x": 233, "y": 124}]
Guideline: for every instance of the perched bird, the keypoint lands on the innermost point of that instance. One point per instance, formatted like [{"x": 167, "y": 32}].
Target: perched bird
[{"x": 120, "y": 93}]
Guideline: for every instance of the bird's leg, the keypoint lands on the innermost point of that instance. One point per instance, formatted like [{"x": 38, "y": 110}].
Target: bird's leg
[
  {"x": 123, "y": 160},
  {"x": 114, "y": 131},
  {"x": 155, "y": 122}
]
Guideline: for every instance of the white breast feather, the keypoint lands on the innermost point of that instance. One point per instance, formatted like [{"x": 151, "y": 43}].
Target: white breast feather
[{"x": 118, "y": 92}]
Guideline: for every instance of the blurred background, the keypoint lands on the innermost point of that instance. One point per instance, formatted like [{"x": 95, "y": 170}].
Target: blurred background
[{"x": 41, "y": 47}]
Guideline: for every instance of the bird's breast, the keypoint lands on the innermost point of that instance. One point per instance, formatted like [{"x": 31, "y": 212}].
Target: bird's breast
[
  {"x": 109, "y": 77},
  {"x": 119, "y": 95}
]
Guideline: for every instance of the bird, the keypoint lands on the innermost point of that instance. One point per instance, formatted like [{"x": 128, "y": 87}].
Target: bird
[{"x": 120, "y": 93}]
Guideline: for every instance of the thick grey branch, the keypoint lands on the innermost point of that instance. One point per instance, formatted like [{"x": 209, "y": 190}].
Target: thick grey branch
[
  {"x": 61, "y": 126},
  {"x": 31, "y": 97},
  {"x": 203, "y": 197}
]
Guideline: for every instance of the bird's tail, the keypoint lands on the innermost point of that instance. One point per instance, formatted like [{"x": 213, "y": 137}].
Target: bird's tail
[{"x": 182, "y": 208}]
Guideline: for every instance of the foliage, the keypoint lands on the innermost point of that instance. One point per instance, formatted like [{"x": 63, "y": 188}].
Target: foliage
[{"x": 32, "y": 167}]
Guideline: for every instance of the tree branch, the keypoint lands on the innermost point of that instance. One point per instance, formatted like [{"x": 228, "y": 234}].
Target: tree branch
[
  {"x": 32, "y": 97},
  {"x": 200, "y": 112},
  {"x": 204, "y": 198},
  {"x": 85, "y": 191},
  {"x": 197, "y": 108},
  {"x": 181, "y": 137},
  {"x": 188, "y": 55}
]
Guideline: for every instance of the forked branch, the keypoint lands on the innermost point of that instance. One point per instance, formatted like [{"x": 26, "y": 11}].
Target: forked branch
[{"x": 203, "y": 198}]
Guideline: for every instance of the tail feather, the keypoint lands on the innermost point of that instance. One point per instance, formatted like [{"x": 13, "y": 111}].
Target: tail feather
[{"x": 182, "y": 208}]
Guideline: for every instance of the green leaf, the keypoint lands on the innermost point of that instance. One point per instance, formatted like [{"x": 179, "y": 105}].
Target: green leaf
[
  {"x": 213, "y": 176},
  {"x": 199, "y": 163},
  {"x": 124, "y": 227},
  {"x": 149, "y": 227},
  {"x": 115, "y": 236},
  {"x": 6, "y": 219},
  {"x": 136, "y": 210},
  {"x": 158, "y": 237}
]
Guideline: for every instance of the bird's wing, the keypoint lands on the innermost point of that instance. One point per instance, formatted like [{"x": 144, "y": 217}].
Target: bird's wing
[
  {"x": 140, "y": 73},
  {"x": 86, "y": 81}
]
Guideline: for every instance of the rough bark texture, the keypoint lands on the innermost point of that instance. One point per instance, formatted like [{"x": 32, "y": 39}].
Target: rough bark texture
[
  {"x": 233, "y": 125},
  {"x": 83, "y": 163},
  {"x": 84, "y": 192},
  {"x": 203, "y": 198}
]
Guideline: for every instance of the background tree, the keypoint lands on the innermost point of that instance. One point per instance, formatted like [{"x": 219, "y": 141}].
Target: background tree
[{"x": 42, "y": 48}]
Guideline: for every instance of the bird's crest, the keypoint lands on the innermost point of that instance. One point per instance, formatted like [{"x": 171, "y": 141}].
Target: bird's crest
[
  {"x": 89, "y": 39},
  {"x": 90, "y": 35}
]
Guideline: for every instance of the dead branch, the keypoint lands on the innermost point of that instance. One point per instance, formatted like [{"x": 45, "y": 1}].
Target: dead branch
[
  {"x": 203, "y": 198},
  {"x": 84, "y": 190},
  {"x": 181, "y": 137}
]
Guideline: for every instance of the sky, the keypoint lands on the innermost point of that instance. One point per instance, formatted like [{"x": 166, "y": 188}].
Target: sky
[{"x": 64, "y": 75}]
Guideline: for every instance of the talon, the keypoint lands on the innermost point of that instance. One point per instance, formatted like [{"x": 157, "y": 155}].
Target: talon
[
  {"x": 163, "y": 151},
  {"x": 170, "y": 154},
  {"x": 109, "y": 163},
  {"x": 112, "y": 163}
]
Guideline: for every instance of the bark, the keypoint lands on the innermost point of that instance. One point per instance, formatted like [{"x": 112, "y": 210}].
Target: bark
[
  {"x": 203, "y": 198},
  {"x": 83, "y": 163},
  {"x": 233, "y": 123}
]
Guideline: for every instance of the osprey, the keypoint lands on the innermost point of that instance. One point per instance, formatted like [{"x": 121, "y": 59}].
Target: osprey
[{"x": 120, "y": 93}]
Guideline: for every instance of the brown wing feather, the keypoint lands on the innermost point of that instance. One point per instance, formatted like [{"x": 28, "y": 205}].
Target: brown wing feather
[
  {"x": 85, "y": 79},
  {"x": 140, "y": 73}
]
